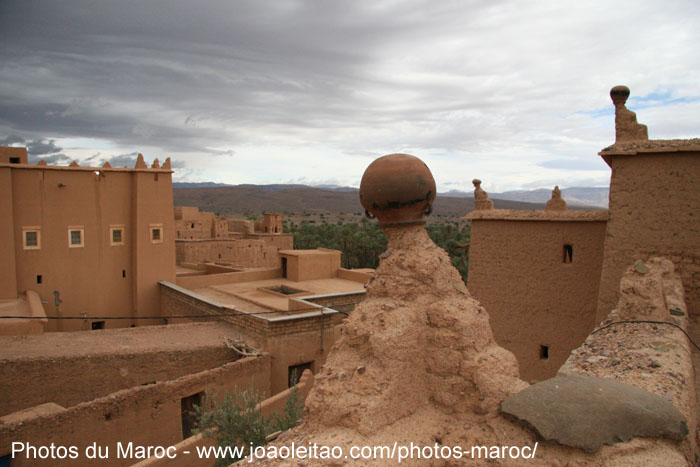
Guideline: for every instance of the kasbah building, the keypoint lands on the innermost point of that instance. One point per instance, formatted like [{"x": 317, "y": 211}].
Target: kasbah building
[{"x": 577, "y": 330}]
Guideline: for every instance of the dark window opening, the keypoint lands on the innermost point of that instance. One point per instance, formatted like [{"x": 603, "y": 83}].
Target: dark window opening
[
  {"x": 76, "y": 237},
  {"x": 14, "y": 160},
  {"x": 568, "y": 254},
  {"x": 117, "y": 236},
  {"x": 124, "y": 273},
  {"x": 38, "y": 279},
  {"x": 187, "y": 410},
  {"x": 98, "y": 325},
  {"x": 31, "y": 238},
  {"x": 192, "y": 226},
  {"x": 295, "y": 371},
  {"x": 284, "y": 267},
  {"x": 544, "y": 352}
]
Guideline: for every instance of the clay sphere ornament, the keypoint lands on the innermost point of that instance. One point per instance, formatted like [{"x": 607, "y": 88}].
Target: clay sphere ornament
[{"x": 397, "y": 189}]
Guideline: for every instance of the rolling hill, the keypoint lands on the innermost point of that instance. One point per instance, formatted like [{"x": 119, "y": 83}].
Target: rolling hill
[{"x": 296, "y": 199}]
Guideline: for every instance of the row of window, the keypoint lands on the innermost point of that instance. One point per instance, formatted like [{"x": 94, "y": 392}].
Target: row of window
[{"x": 31, "y": 236}]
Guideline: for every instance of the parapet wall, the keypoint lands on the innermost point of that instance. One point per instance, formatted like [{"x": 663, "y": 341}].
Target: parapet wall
[
  {"x": 98, "y": 365},
  {"x": 245, "y": 253},
  {"x": 186, "y": 449},
  {"x": 145, "y": 415},
  {"x": 200, "y": 282},
  {"x": 655, "y": 357}
]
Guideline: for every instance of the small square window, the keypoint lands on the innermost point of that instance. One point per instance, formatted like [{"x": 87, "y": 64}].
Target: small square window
[
  {"x": 96, "y": 325},
  {"x": 31, "y": 238},
  {"x": 14, "y": 160},
  {"x": 116, "y": 235},
  {"x": 76, "y": 237},
  {"x": 156, "y": 233}
]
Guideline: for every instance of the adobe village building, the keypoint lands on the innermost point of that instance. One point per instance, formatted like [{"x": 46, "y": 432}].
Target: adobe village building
[
  {"x": 203, "y": 237},
  {"x": 558, "y": 270},
  {"x": 83, "y": 241},
  {"x": 100, "y": 243},
  {"x": 414, "y": 358}
]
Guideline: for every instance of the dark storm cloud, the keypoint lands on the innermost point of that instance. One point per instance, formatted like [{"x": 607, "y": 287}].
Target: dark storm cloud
[
  {"x": 142, "y": 72},
  {"x": 54, "y": 159},
  {"x": 121, "y": 160},
  {"x": 39, "y": 147},
  {"x": 476, "y": 81},
  {"x": 10, "y": 140}
]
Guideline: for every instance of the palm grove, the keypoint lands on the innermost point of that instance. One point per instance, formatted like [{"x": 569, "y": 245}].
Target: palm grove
[{"x": 362, "y": 243}]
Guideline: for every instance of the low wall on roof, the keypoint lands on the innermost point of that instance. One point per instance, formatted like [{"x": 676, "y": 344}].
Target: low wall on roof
[
  {"x": 302, "y": 338},
  {"x": 93, "y": 369},
  {"x": 656, "y": 357},
  {"x": 144, "y": 415},
  {"x": 274, "y": 404},
  {"x": 200, "y": 282}
]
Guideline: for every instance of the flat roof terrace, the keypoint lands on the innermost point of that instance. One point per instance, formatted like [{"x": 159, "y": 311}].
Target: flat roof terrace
[
  {"x": 170, "y": 338},
  {"x": 67, "y": 368},
  {"x": 265, "y": 295}
]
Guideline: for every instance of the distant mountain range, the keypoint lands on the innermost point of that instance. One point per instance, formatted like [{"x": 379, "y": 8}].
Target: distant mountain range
[
  {"x": 238, "y": 199},
  {"x": 262, "y": 196},
  {"x": 575, "y": 196}
]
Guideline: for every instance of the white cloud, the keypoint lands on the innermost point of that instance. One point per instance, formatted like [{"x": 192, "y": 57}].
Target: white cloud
[{"x": 512, "y": 93}]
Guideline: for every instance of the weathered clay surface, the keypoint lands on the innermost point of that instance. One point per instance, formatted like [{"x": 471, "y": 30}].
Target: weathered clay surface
[
  {"x": 421, "y": 339},
  {"x": 626, "y": 126},
  {"x": 417, "y": 364},
  {"x": 481, "y": 198},
  {"x": 539, "y": 215},
  {"x": 642, "y": 294},
  {"x": 587, "y": 412},
  {"x": 651, "y": 356},
  {"x": 653, "y": 145},
  {"x": 556, "y": 203}
]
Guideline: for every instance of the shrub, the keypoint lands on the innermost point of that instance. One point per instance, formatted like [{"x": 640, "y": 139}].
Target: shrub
[{"x": 238, "y": 421}]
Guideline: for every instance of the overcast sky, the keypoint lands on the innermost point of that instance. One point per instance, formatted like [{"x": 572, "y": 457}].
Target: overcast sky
[{"x": 512, "y": 92}]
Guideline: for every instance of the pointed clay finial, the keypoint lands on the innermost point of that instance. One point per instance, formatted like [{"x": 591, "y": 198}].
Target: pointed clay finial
[
  {"x": 556, "y": 203},
  {"x": 626, "y": 126},
  {"x": 140, "y": 163},
  {"x": 156, "y": 164},
  {"x": 166, "y": 164},
  {"x": 41, "y": 162},
  {"x": 481, "y": 198},
  {"x": 107, "y": 165},
  {"x": 74, "y": 164}
]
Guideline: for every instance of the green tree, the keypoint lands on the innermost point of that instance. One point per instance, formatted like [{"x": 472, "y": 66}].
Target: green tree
[{"x": 362, "y": 242}]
